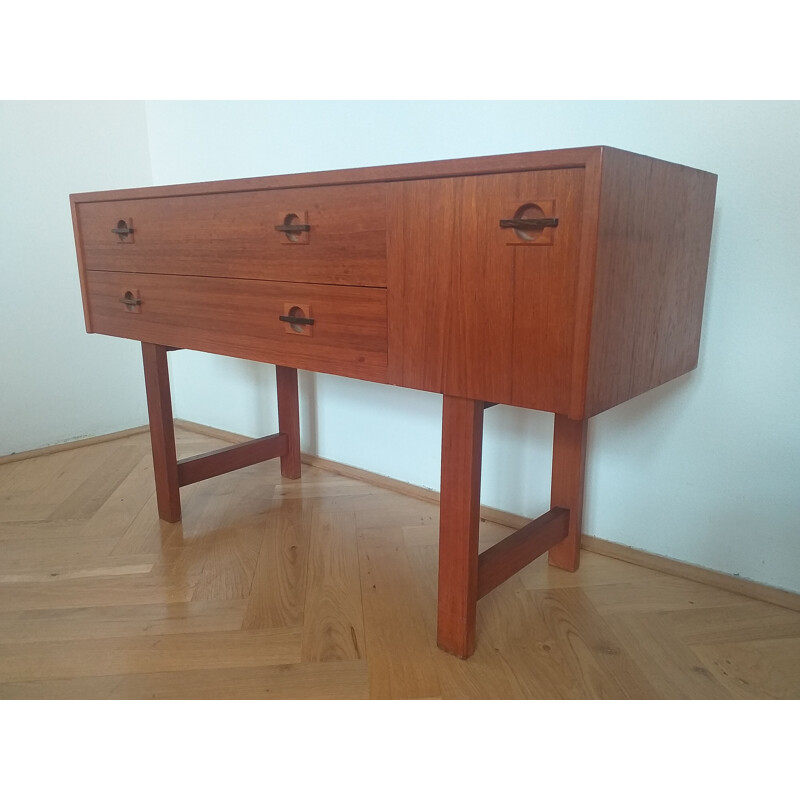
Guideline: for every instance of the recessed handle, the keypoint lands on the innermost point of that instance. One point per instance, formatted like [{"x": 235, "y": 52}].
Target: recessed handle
[
  {"x": 130, "y": 301},
  {"x": 293, "y": 227},
  {"x": 124, "y": 230},
  {"x": 530, "y": 223},
  {"x": 292, "y": 320}
]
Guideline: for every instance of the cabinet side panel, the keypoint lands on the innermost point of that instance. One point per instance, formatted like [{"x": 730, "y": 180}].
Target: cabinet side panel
[
  {"x": 654, "y": 237},
  {"x": 76, "y": 227}
]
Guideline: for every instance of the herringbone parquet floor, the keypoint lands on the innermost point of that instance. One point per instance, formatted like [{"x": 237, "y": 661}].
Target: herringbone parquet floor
[{"x": 326, "y": 588}]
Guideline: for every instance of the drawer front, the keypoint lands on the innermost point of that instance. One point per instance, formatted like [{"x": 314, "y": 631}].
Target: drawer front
[
  {"x": 484, "y": 306},
  {"x": 234, "y": 235},
  {"x": 336, "y": 329}
]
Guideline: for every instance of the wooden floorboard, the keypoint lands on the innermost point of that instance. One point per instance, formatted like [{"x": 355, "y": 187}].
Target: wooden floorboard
[{"x": 325, "y": 588}]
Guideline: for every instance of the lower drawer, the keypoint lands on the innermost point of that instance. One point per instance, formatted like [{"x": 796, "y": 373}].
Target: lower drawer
[{"x": 336, "y": 329}]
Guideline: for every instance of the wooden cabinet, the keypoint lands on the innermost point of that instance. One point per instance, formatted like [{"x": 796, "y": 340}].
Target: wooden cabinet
[{"x": 566, "y": 281}]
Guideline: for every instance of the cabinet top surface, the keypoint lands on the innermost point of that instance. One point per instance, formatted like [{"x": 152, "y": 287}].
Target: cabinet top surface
[{"x": 580, "y": 157}]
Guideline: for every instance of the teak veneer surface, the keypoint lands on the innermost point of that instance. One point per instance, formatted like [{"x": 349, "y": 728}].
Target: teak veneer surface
[
  {"x": 241, "y": 319},
  {"x": 593, "y": 312},
  {"x": 480, "y": 313},
  {"x": 194, "y": 235}
]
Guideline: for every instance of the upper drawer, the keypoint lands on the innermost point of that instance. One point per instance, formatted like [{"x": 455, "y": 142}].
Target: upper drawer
[{"x": 234, "y": 235}]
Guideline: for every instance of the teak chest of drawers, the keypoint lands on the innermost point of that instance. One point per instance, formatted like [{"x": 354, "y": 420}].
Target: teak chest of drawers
[{"x": 566, "y": 281}]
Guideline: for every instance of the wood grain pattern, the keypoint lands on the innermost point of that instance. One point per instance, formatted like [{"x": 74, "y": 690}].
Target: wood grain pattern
[
  {"x": 398, "y": 643},
  {"x": 45, "y": 660},
  {"x": 229, "y": 561},
  {"x": 241, "y": 319},
  {"x": 750, "y": 671},
  {"x": 120, "y": 621},
  {"x": 546, "y": 281},
  {"x": 509, "y": 556},
  {"x": 480, "y": 296},
  {"x": 653, "y": 240},
  {"x": 611, "y": 309},
  {"x": 278, "y": 591},
  {"x": 477, "y": 312},
  {"x": 94, "y": 490},
  {"x": 538, "y": 650},
  {"x": 235, "y": 456},
  {"x": 567, "y": 485},
  {"x": 335, "y": 680},
  {"x": 289, "y": 419},
  {"x": 175, "y": 615},
  {"x": 333, "y": 628},
  {"x": 672, "y": 669},
  {"x": 462, "y": 445},
  {"x": 233, "y": 235},
  {"x": 162, "y": 433},
  {"x": 621, "y": 557},
  {"x": 423, "y": 232},
  {"x": 171, "y": 473},
  {"x": 514, "y": 162},
  {"x": 481, "y": 677}
]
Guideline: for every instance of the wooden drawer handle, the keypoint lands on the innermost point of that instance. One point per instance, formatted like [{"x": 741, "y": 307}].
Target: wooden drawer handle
[
  {"x": 530, "y": 224},
  {"x": 296, "y": 320},
  {"x": 130, "y": 301},
  {"x": 293, "y": 227}
]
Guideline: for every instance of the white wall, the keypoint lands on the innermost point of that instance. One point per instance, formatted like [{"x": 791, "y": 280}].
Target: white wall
[{"x": 57, "y": 383}]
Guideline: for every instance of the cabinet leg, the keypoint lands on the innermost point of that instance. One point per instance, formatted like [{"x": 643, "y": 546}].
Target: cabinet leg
[
  {"x": 289, "y": 419},
  {"x": 462, "y": 440},
  {"x": 162, "y": 431},
  {"x": 569, "y": 460}
]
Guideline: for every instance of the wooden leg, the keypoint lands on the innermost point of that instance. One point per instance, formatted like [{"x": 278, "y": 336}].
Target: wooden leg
[
  {"x": 289, "y": 419},
  {"x": 462, "y": 440},
  {"x": 162, "y": 432},
  {"x": 569, "y": 460}
]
